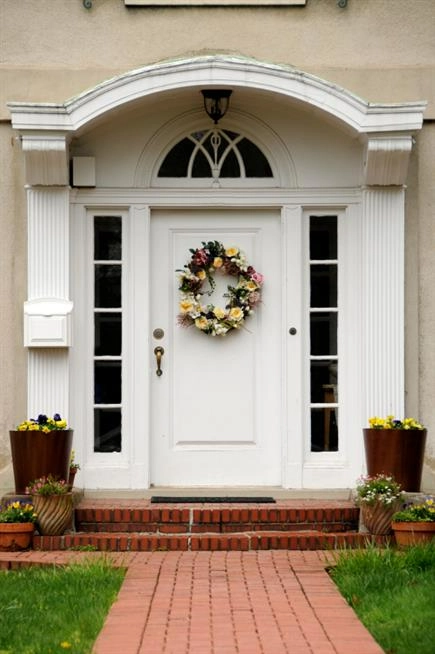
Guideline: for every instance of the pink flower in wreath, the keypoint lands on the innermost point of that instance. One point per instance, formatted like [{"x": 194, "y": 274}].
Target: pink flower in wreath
[
  {"x": 257, "y": 277},
  {"x": 200, "y": 257}
]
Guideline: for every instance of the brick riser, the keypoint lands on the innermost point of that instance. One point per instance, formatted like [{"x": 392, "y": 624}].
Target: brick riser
[
  {"x": 140, "y": 542},
  {"x": 244, "y": 528},
  {"x": 215, "y": 520}
]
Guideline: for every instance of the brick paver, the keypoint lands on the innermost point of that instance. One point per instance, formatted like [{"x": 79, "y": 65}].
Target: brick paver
[{"x": 262, "y": 602}]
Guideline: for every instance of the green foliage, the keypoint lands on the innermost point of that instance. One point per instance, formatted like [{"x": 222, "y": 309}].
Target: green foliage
[
  {"x": 47, "y": 486},
  {"x": 43, "y": 423},
  {"x": 390, "y": 422},
  {"x": 417, "y": 513},
  {"x": 17, "y": 512},
  {"x": 392, "y": 592},
  {"x": 382, "y": 488},
  {"x": 63, "y": 608}
]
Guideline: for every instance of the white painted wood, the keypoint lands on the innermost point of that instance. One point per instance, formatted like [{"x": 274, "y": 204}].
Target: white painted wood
[
  {"x": 387, "y": 160},
  {"x": 48, "y": 239},
  {"x": 46, "y": 159},
  {"x": 48, "y": 387},
  {"x": 219, "y": 70},
  {"x": 383, "y": 301},
  {"x": 216, "y": 410}
]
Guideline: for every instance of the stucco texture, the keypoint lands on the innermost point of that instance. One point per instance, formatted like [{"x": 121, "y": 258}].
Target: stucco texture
[{"x": 381, "y": 50}]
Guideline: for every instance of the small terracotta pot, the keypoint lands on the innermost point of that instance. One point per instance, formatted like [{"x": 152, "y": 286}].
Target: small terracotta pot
[
  {"x": 377, "y": 518},
  {"x": 54, "y": 513},
  {"x": 412, "y": 533},
  {"x": 16, "y": 536}
]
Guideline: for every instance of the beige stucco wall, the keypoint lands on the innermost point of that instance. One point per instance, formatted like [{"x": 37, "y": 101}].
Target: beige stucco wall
[
  {"x": 12, "y": 293},
  {"x": 382, "y": 50}
]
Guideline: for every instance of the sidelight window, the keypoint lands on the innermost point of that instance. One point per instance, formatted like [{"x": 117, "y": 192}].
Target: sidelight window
[
  {"x": 107, "y": 333},
  {"x": 323, "y": 333}
]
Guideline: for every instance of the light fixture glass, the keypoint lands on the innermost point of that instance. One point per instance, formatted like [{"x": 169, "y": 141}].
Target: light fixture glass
[{"x": 216, "y": 103}]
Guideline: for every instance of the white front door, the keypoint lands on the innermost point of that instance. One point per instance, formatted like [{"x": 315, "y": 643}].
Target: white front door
[{"x": 216, "y": 409}]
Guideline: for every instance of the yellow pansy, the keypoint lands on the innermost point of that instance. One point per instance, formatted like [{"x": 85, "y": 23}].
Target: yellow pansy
[
  {"x": 201, "y": 274},
  {"x": 232, "y": 252},
  {"x": 251, "y": 286},
  {"x": 236, "y": 313},
  {"x": 217, "y": 262}
]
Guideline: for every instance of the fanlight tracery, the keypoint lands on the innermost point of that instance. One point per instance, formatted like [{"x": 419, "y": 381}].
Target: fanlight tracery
[{"x": 217, "y": 154}]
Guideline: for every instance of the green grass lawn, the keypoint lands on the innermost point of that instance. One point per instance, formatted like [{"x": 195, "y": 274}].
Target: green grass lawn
[
  {"x": 48, "y": 610},
  {"x": 393, "y": 593}
]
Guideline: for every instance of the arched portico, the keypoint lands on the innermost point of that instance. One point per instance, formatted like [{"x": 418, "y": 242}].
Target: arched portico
[{"x": 375, "y": 205}]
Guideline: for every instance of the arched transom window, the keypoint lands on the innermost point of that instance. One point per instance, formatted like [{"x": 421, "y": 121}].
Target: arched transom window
[{"x": 217, "y": 154}]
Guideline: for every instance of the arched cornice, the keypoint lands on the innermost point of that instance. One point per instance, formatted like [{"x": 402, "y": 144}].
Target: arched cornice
[
  {"x": 218, "y": 71},
  {"x": 387, "y": 128}
]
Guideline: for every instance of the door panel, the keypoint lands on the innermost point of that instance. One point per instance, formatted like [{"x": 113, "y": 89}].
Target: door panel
[{"x": 216, "y": 409}]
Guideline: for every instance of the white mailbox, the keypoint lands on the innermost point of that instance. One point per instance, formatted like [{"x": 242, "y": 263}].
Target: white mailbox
[{"x": 47, "y": 323}]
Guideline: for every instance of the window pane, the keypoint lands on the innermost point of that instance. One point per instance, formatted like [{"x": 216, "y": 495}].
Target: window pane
[
  {"x": 107, "y": 334},
  {"x": 324, "y": 286},
  {"x": 176, "y": 161},
  {"x": 107, "y": 286},
  {"x": 324, "y": 433},
  {"x": 323, "y": 330},
  {"x": 201, "y": 167},
  {"x": 107, "y": 430},
  {"x": 256, "y": 164},
  {"x": 107, "y": 382},
  {"x": 107, "y": 239},
  {"x": 323, "y": 237},
  {"x": 324, "y": 382},
  {"x": 230, "y": 166}
]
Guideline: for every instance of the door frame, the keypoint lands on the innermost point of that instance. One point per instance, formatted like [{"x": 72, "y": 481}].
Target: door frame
[{"x": 300, "y": 469}]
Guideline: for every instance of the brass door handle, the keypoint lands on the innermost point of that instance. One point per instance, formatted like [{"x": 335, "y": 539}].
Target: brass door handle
[{"x": 159, "y": 352}]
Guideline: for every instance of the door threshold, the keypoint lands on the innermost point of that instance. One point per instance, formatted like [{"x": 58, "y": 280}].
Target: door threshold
[{"x": 171, "y": 491}]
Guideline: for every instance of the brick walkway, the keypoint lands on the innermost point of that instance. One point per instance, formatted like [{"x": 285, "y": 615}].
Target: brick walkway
[{"x": 265, "y": 602}]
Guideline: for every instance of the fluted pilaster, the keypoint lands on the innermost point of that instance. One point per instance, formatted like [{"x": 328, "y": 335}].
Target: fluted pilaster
[
  {"x": 48, "y": 243},
  {"x": 382, "y": 303}
]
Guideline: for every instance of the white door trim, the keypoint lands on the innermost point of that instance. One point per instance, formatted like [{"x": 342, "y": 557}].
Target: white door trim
[{"x": 301, "y": 469}]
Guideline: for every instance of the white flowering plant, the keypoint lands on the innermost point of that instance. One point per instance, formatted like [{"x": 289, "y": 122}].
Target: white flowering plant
[{"x": 379, "y": 488}]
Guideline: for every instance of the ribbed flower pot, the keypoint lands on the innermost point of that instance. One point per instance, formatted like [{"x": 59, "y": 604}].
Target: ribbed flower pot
[
  {"x": 396, "y": 452},
  {"x": 54, "y": 513},
  {"x": 377, "y": 518},
  {"x": 15, "y": 536},
  {"x": 412, "y": 533},
  {"x": 38, "y": 454}
]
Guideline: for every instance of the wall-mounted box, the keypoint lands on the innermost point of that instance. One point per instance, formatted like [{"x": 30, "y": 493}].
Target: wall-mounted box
[
  {"x": 47, "y": 323},
  {"x": 83, "y": 171}
]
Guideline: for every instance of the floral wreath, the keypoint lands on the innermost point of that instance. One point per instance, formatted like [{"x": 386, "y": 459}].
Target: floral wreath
[{"x": 212, "y": 258}]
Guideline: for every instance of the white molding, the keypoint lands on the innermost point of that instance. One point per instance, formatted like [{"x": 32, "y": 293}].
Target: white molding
[
  {"x": 387, "y": 160},
  {"x": 46, "y": 159},
  {"x": 382, "y": 302},
  {"x": 48, "y": 382},
  {"x": 218, "y": 70},
  {"x": 47, "y": 323}
]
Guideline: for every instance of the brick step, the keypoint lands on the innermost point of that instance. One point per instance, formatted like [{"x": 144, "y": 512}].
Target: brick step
[
  {"x": 220, "y": 519},
  {"x": 246, "y": 541}
]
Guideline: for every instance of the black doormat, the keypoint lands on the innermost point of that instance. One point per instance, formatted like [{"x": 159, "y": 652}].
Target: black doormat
[{"x": 160, "y": 499}]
